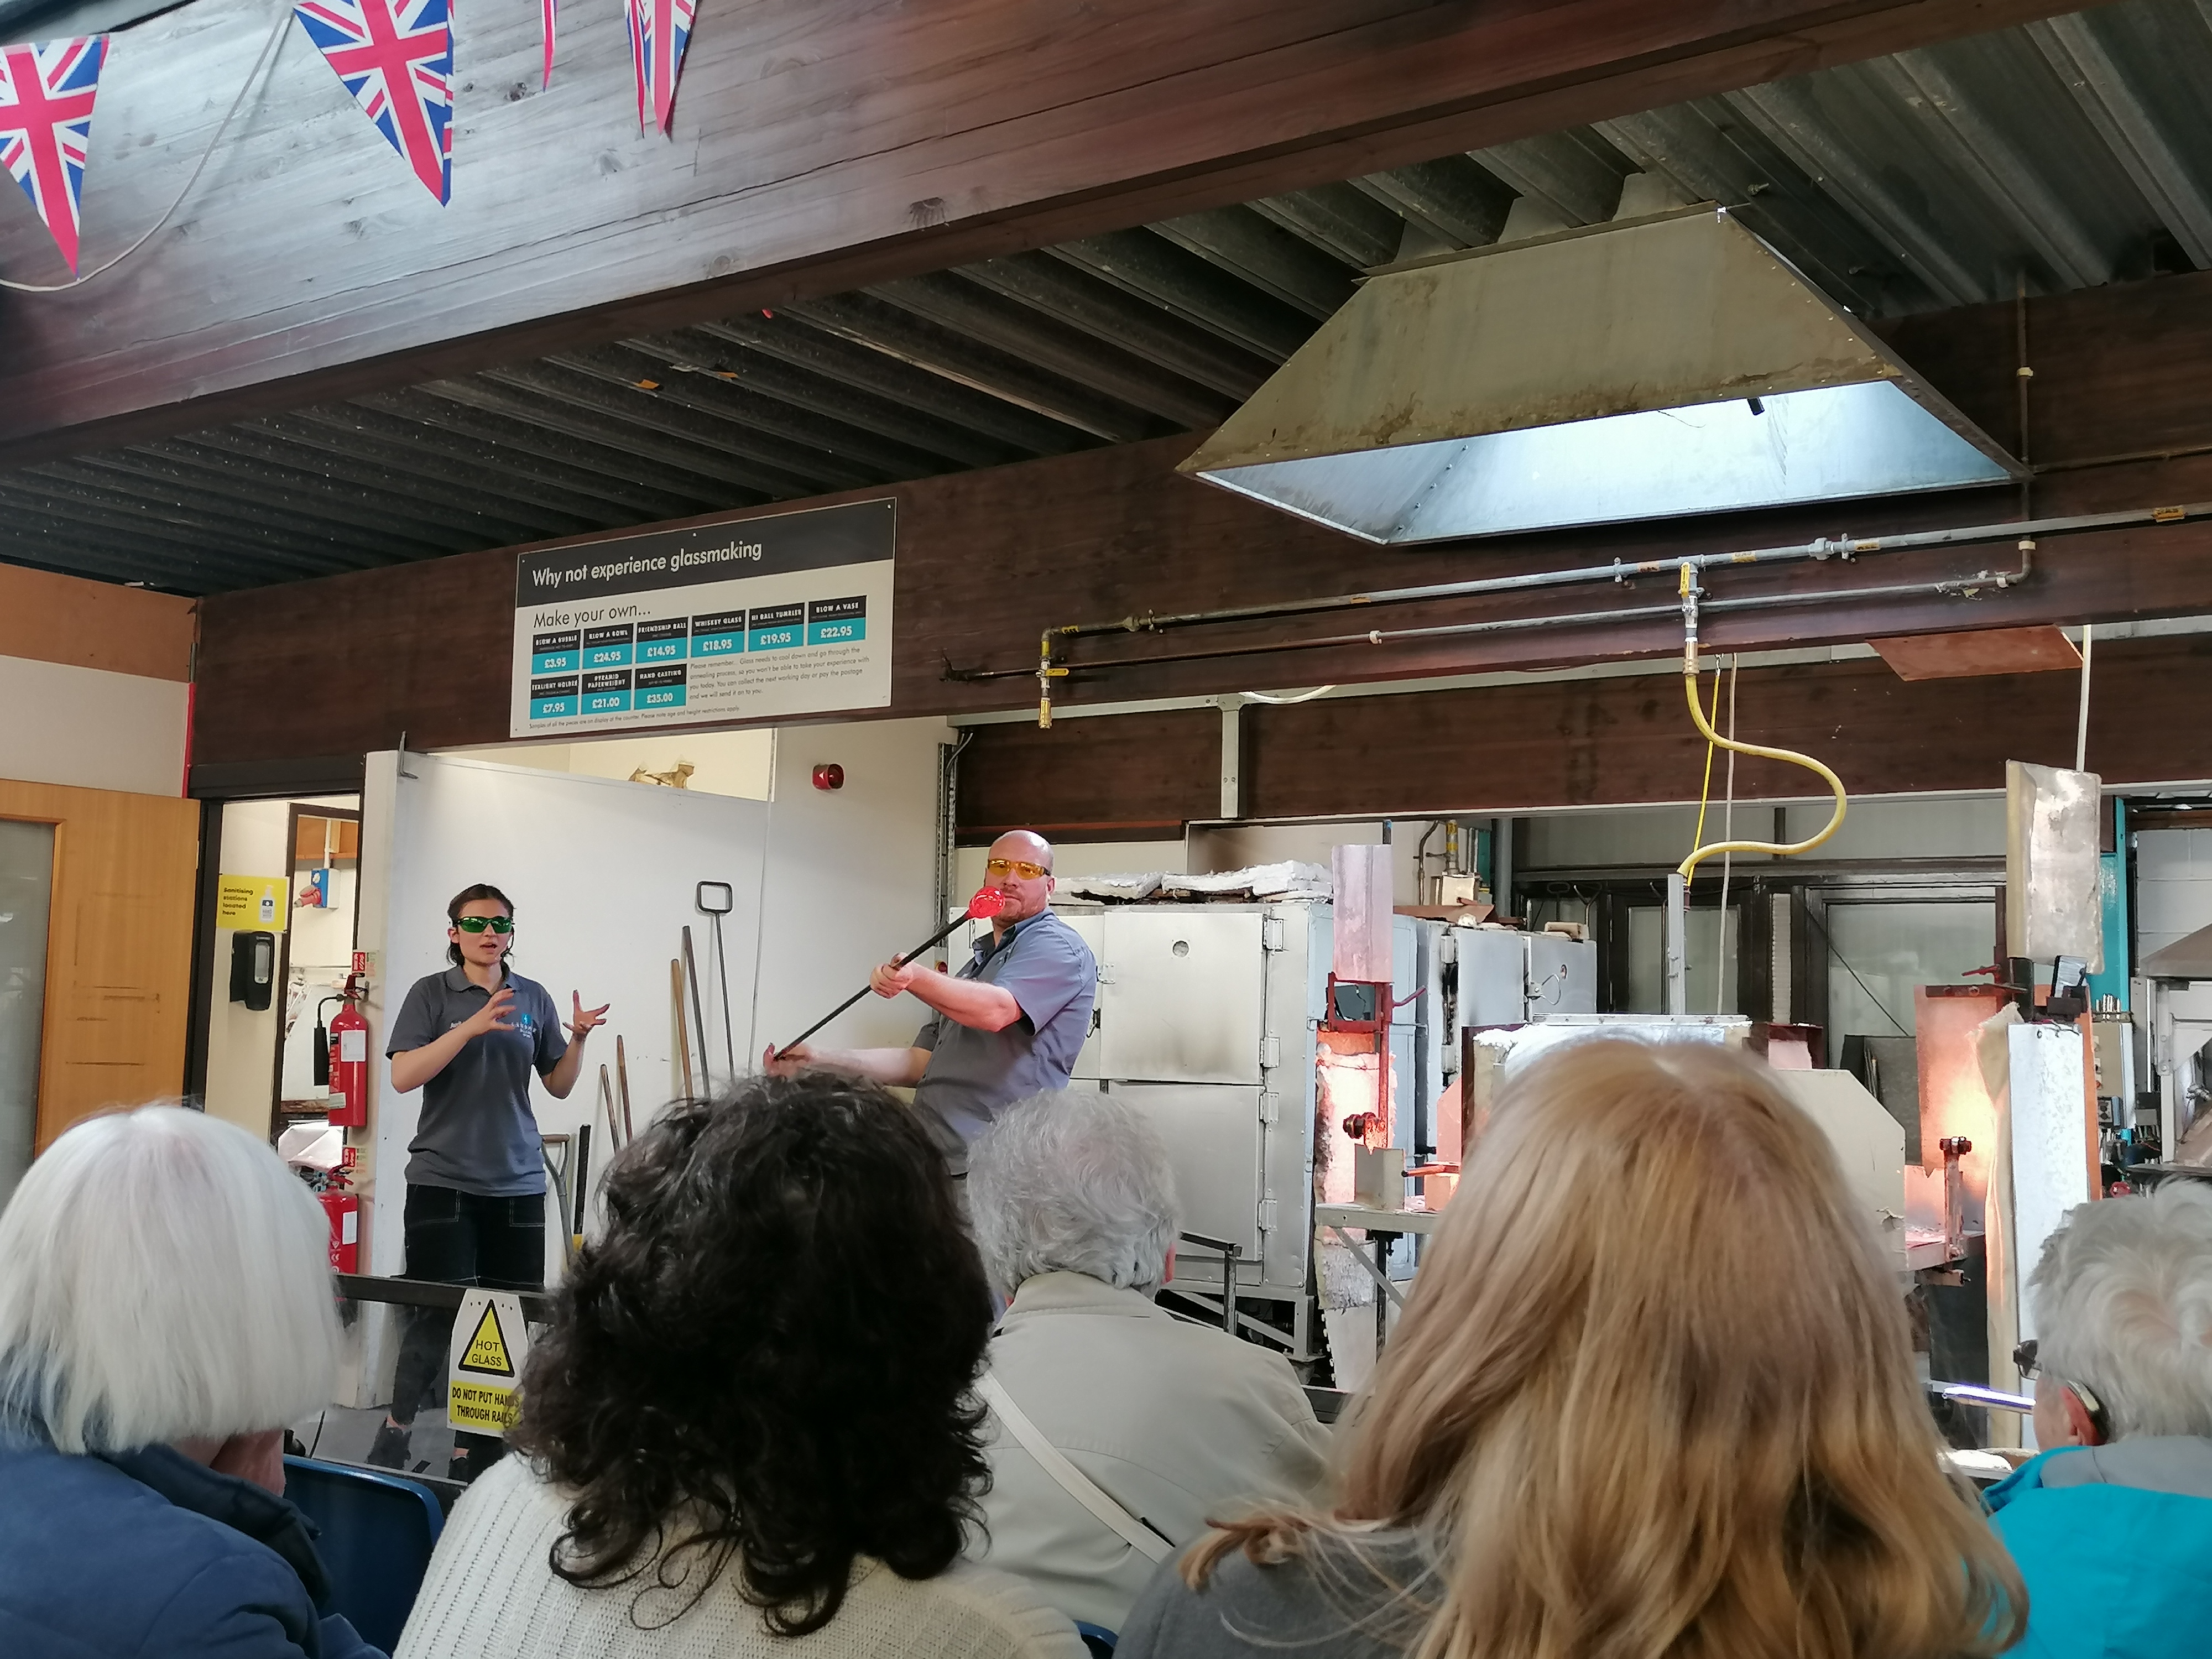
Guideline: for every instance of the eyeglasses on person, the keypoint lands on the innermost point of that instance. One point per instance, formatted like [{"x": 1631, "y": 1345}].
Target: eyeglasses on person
[
  {"x": 477, "y": 924},
  {"x": 2025, "y": 1361},
  {"x": 1021, "y": 867}
]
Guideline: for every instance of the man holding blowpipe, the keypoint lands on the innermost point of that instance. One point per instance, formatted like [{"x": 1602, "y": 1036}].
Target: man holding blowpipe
[{"x": 1007, "y": 1025}]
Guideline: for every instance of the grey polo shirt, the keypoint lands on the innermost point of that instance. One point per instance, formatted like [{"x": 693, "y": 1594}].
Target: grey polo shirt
[
  {"x": 971, "y": 1074},
  {"x": 476, "y": 1132}
]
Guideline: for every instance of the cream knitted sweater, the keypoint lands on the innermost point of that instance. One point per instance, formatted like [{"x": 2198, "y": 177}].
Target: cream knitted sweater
[{"x": 490, "y": 1592}]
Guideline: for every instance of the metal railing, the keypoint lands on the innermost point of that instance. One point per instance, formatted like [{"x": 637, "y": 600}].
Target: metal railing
[{"x": 536, "y": 1305}]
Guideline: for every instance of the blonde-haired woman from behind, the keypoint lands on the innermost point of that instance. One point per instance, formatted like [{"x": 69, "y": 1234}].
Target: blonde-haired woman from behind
[{"x": 1653, "y": 1396}]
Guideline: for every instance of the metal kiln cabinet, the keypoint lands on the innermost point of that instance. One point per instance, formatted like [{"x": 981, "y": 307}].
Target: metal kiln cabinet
[{"x": 1206, "y": 1021}]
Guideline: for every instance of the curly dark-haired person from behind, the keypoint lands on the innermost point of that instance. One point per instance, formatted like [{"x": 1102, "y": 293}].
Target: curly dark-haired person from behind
[{"x": 748, "y": 1431}]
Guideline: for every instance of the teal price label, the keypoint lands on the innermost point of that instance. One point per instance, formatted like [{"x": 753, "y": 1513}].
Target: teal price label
[
  {"x": 837, "y": 621},
  {"x": 775, "y": 627},
  {"x": 553, "y": 698},
  {"x": 660, "y": 687},
  {"x": 721, "y": 633}
]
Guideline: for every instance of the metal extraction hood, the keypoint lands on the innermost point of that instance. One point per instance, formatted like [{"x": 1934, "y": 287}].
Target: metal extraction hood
[{"x": 1644, "y": 369}]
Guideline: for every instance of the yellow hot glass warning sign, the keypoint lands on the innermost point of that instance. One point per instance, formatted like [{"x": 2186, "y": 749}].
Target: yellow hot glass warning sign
[
  {"x": 486, "y": 1350},
  {"x": 489, "y": 1343}
]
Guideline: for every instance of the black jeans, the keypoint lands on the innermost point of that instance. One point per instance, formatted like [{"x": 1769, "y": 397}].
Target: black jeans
[{"x": 461, "y": 1238}]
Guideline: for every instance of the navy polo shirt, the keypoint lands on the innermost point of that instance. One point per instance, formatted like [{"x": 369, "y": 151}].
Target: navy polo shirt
[
  {"x": 476, "y": 1132},
  {"x": 972, "y": 1074}
]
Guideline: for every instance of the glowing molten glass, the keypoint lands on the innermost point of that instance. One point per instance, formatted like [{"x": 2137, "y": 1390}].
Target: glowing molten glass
[{"x": 987, "y": 904}]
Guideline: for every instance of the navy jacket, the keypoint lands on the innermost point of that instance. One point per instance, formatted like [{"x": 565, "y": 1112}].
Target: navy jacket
[{"x": 146, "y": 1552}]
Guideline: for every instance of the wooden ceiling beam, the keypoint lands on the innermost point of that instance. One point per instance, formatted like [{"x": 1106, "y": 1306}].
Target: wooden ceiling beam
[
  {"x": 988, "y": 559},
  {"x": 1616, "y": 741},
  {"x": 817, "y": 148}
]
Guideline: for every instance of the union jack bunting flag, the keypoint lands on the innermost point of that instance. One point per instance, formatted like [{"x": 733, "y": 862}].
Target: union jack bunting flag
[
  {"x": 396, "y": 57},
  {"x": 45, "y": 127},
  {"x": 659, "y": 32}
]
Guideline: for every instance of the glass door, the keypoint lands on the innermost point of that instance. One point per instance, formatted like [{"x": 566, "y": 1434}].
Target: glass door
[{"x": 1879, "y": 951}]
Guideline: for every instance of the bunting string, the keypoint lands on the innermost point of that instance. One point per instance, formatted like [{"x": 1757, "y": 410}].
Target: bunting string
[
  {"x": 394, "y": 57},
  {"x": 254, "y": 78}
]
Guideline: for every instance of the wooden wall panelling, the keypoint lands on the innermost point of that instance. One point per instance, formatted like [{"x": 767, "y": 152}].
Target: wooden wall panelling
[
  {"x": 49, "y": 618},
  {"x": 2149, "y": 338},
  {"x": 118, "y": 951},
  {"x": 346, "y": 664},
  {"x": 1144, "y": 772},
  {"x": 1598, "y": 742},
  {"x": 989, "y": 558},
  {"x": 424, "y": 648},
  {"x": 816, "y": 147},
  {"x": 1582, "y": 743}
]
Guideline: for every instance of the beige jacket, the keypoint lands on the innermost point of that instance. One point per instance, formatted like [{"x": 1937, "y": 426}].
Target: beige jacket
[
  {"x": 489, "y": 1594},
  {"x": 1177, "y": 1422}
]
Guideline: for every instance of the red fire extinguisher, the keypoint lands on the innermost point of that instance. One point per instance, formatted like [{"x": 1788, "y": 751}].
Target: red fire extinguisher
[
  {"x": 343, "y": 1209},
  {"x": 345, "y": 1064}
]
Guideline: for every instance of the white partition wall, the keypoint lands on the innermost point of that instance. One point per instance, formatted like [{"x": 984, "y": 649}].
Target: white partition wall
[
  {"x": 2054, "y": 1144},
  {"x": 603, "y": 875},
  {"x": 851, "y": 877}
]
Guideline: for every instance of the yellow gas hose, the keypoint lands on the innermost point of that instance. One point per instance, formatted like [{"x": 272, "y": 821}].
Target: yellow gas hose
[{"x": 1687, "y": 868}]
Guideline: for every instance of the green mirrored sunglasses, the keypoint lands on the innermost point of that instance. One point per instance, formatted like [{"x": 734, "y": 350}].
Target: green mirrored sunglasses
[{"x": 477, "y": 924}]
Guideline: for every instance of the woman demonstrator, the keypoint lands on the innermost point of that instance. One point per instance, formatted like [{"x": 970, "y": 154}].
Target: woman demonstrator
[{"x": 469, "y": 1038}]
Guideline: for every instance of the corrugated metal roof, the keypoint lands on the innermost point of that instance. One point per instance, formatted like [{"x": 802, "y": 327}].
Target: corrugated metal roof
[{"x": 2061, "y": 155}]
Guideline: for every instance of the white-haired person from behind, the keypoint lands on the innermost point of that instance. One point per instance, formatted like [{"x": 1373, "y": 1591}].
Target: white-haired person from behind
[
  {"x": 164, "y": 1310},
  {"x": 2111, "y": 1523},
  {"x": 1170, "y": 1423}
]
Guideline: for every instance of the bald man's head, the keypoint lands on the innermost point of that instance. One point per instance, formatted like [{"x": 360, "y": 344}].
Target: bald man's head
[
  {"x": 1024, "y": 844},
  {"x": 1020, "y": 866}
]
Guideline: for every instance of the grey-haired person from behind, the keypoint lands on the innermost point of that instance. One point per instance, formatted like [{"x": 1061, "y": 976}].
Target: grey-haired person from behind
[
  {"x": 2122, "y": 1367},
  {"x": 1074, "y": 1208}
]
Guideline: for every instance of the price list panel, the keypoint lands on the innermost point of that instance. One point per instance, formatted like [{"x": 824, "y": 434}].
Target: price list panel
[{"x": 661, "y": 633}]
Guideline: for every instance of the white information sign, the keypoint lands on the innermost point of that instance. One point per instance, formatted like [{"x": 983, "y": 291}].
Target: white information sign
[{"x": 789, "y": 614}]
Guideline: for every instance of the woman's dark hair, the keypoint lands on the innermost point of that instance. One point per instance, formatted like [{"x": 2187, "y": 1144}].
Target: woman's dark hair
[
  {"x": 483, "y": 890},
  {"x": 768, "y": 1354}
]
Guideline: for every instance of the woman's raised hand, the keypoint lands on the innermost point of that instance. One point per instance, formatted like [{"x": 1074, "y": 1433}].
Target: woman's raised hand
[
  {"x": 586, "y": 1020},
  {"x": 489, "y": 1017}
]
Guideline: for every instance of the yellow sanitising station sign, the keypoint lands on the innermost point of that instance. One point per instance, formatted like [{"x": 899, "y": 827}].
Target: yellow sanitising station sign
[{"x": 253, "y": 903}]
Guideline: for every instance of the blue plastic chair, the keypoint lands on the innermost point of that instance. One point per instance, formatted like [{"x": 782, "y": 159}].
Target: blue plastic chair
[
  {"x": 1097, "y": 1639},
  {"x": 376, "y": 1533}
]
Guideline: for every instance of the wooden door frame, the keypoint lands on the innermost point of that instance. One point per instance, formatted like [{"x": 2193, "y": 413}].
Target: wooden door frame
[
  {"x": 200, "y": 995},
  {"x": 343, "y": 815}
]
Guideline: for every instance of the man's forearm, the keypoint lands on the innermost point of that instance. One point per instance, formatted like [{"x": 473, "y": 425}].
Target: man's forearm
[
  {"x": 975, "y": 1004},
  {"x": 900, "y": 1068}
]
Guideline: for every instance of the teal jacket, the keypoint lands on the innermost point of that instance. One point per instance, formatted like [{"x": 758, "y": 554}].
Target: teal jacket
[{"x": 2115, "y": 1544}]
